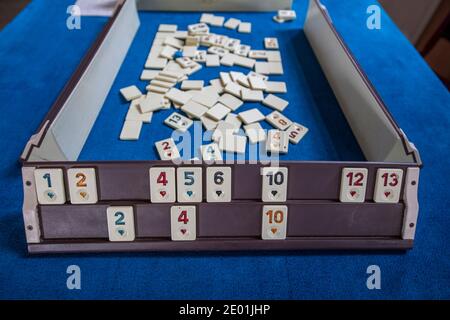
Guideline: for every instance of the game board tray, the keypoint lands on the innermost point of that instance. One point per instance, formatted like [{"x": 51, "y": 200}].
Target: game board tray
[{"x": 80, "y": 133}]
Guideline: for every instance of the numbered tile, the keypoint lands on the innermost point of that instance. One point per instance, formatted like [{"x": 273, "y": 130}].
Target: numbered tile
[
  {"x": 274, "y": 184},
  {"x": 189, "y": 184},
  {"x": 274, "y": 222},
  {"x": 82, "y": 185},
  {"x": 218, "y": 184},
  {"x": 353, "y": 185},
  {"x": 178, "y": 122},
  {"x": 120, "y": 223},
  {"x": 211, "y": 152},
  {"x": 277, "y": 141},
  {"x": 162, "y": 184},
  {"x": 183, "y": 223},
  {"x": 50, "y": 186},
  {"x": 296, "y": 132},
  {"x": 167, "y": 149},
  {"x": 388, "y": 185},
  {"x": 278, "y": 120}
]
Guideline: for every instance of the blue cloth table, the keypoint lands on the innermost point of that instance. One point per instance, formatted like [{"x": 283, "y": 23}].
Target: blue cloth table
[{"x": 37, "y": 56}]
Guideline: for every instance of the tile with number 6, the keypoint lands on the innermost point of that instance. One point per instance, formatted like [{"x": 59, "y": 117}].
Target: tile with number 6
[
  {"x": 218, "y": 184},
  {"x": 183, "y": 223},
  {"x": 274, "y": 222},
  {"x": 82, "y": 185},
  {"x": 274, "y": 184},
  {"x": 120, "y": 223},
  {"x": 388, "y": 185},
  {"x": 50, "y": 186},
  {"x": 189, "y": 184},
  {"x": 162, "y": 184}
]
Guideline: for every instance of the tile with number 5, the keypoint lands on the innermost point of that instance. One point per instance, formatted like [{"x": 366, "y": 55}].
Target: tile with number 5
[{"x": 189, "y": 184}]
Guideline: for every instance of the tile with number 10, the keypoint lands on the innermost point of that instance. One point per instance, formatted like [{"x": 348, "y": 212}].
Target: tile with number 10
[
  {"x": 162, "y": 184},
  {"x": 274, "y": 184},
  {"x": 274, "y": 222},
  {"x": 189, "y": 184}
]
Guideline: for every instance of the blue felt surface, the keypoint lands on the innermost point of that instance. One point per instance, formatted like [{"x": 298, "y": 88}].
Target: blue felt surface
[
  {"x": 37, "y": 56},
  {"x": 329, "y": 138}
]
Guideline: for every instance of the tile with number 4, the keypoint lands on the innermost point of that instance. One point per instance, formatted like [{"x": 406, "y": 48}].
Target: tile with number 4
[
  {"x": 274, "y": 184},
  {"x": 50, "y": 186},
  {"x": 274, "y": 222},
  {"x": 120, "y": 223},
  {"x": 189, "y": 188},
  {"x": 183, "y": 223},
  {"x": 388, "y": 185},
  {"x": 162, "y": 184},
  {"x": 167, "y": 149},
  {"x": 82, "y": 185},
  {"x": 353, "y": 185},
  {"x": 218, "y": 184}
]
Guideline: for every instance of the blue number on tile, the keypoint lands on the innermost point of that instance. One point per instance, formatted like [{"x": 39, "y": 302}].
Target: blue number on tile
[
  {"x": 120, "y": 217},
  {"x": 49, "y": 180},
  {"x": 189, "y": 178}
]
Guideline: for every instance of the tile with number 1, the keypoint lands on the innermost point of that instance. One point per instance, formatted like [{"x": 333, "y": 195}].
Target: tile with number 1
[{"x": 50, "y": 186}]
